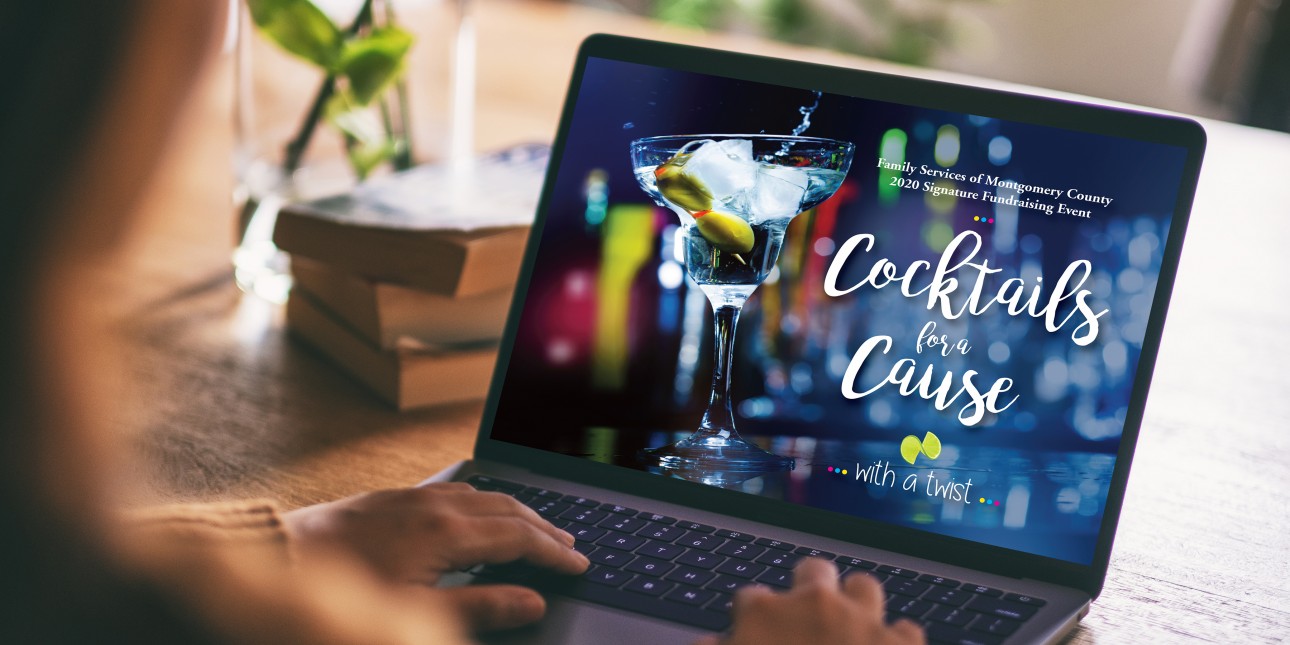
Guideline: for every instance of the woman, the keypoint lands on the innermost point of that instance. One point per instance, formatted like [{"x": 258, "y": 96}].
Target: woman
[{"x": 91, "y": 92}]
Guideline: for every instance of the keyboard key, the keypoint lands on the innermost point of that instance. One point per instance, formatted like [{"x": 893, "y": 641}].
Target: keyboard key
[
  {"x": 981, "y": 590},
  {"x": 580, "y": 501},
  {"x": 620, "y": 541},
  {"x": 583, "y": 588},
  {"x": 727, "y": 584},
  {"x": 897, "y": 571},
  {"x": 700, "y": 541},
  {"x": 734, "y": 535},
  {"x": 606, "y": 576},
  {"x": 690, "y": 576},
  {"x": 700, "y": 559},
  {"x": 650, "y": 566},
  {"x": 906, "y": 587},
  {"x": 611, "y": 557},
  {"x": 941, "y": 633},
  {"x": 648, "y": 586},
  {"x": 583, "y": 515},
  {"x": 937, "y": 580},
  {"x": 880, "y": 578},
  {"x": 951, "y": 616},
  {"x": 645, "y": 604},
  {"x": 655, "y": 517},
  {"x": 621, "y": 510},
  {"x": 776, "y": 544},
  {"x": 997, "y": 626},
  {"x": 542, "y": 492},
  {"x": 696, "y": 527},
  {"x": 496, "y": 484},
  {"x": 660, "y": 532},
  {"x": 781, "y": 559},
  {"x": 746, "y": 570},
  {"x": 951, "y": 597},
  {"x": 585, "y": 533},
  {"x": 777, "y": 578},
  {"x": 723, "y": 603},
  {"x": 1025, "y": 600},
  {"x": 660, "y": 550},
  {"x": 689, "y": 596},
  {"x": 855, "y": 563},
  {"x": 814, "y": 553},
  {"x": 622, "y": 523},
  {"x": 551, "y": 509},
  {"x": 584, "y": 548},
  {"x": 1001, "y": 608},
  {"x": 741, "y": 551},
  {"x": 912, "y": 607}
]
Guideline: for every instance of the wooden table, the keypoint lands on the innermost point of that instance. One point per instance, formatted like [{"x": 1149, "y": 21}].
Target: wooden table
[{"x": 226, "y": 406}]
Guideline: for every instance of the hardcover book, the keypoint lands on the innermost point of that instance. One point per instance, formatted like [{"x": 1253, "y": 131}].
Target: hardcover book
[
  {"x": 391, "y": 246},
  {"x": 411, "y": 375},
  {"x": 384, "y": 312}
]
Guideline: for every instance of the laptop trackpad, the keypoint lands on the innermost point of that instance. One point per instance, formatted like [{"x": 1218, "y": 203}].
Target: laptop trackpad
[{"x": 569, "y": 622}]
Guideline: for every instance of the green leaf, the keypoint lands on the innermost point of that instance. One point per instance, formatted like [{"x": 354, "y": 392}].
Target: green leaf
[
  {"x": 373, "y": 61},
  {"x": 299, "y": 27},
  {"x": 365, "y": 139},
  {"x": 364, "y": 158}
]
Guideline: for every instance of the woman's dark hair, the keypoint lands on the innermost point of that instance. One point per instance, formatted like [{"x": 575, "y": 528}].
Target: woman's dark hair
[{"x": 60, "y": 58}]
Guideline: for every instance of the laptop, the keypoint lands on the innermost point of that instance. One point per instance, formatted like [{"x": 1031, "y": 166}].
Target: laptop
[{"x": 772, "y": 310}]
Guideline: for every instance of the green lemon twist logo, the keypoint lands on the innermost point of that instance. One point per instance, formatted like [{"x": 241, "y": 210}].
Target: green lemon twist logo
[{"x": 911, "y": 447}]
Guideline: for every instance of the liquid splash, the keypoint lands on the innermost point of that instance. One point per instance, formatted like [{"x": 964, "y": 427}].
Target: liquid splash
[{"x": 806, "y": 111}]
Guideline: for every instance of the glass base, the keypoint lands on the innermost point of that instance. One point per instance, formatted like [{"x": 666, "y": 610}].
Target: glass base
[
  {"x": 715, "y": 460},
  {"x": 259, "y": 267}
]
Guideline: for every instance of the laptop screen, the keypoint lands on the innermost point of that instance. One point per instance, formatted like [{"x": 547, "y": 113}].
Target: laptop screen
[{"x": 931, "y": 319}]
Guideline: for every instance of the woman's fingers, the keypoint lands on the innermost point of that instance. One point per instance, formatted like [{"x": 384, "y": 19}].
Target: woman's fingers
[
  {"x": 469, "y": 501},
  {"x": 498, "y": 539},
  {"x": 812, "y": 572},
  {"x": 865, "y": 590},
  {"x": 907, "y": 631},
  {"x": 816, "y": 609}
]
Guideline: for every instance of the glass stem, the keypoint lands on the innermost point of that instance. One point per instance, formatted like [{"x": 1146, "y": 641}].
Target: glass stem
[{"x": 719, "y": 421}]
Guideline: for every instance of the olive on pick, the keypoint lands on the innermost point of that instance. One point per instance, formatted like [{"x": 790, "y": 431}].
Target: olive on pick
[
  {"x": 681, "y": 188},
  {"x": 727, "y": 232}
]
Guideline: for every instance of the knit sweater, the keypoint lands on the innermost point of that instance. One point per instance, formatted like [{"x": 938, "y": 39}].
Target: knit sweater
[
  {"x": 232, "y": 565},
  {"x": 247, "y": 523}
]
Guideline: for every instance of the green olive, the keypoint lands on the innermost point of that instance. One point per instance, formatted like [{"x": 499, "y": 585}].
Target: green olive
[
  {"x": 725, "y": 231},
  {"x": 681, "y": 188}
]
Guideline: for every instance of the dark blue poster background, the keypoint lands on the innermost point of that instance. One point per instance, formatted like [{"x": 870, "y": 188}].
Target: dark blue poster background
[{"x": 613, "y": 352}]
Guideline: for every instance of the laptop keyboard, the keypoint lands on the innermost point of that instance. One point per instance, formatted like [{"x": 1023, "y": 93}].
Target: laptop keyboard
[{"x": 688, "y": 572}]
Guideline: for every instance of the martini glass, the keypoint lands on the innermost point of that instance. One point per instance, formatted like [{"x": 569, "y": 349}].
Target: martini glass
[{"x": 735, "y": 196}]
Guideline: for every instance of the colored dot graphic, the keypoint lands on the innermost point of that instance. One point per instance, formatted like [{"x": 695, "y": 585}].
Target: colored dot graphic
[
  {"x": 839, "y": 471},
  {"x": 989, "y": 502},
  {"x": 987, "y": 220}
]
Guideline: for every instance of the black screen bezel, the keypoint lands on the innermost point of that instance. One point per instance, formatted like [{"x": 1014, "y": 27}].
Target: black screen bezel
[{"x": 922, "y": 93}]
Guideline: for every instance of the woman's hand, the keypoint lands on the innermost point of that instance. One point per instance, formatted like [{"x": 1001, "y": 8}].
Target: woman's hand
[
  {"x": 818, "y": 609},
  {"x": 417, "y": 534}
]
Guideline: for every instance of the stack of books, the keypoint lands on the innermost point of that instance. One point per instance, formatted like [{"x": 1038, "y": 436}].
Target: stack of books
[{"x": 408, "y": 303}]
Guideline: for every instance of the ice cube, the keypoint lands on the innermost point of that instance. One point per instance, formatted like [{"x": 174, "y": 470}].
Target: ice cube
[
  {"x": 725, "y": 167},
  {"x": 779, "y": 191}
]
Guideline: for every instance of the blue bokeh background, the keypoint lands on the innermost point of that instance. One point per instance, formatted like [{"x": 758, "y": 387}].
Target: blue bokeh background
[{"x": 613, "y": 352}]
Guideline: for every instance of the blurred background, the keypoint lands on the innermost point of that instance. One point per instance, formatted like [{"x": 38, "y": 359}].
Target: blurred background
[{"x": 1225, "y": 59}]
